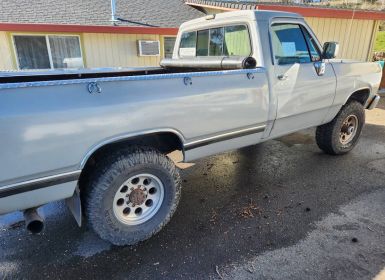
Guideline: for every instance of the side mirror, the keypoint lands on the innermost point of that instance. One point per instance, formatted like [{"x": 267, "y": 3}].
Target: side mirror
[{"x": 330, "y": 50}]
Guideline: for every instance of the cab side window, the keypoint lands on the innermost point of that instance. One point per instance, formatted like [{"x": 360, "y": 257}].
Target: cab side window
[
  {"x": 216, "y": 41},
  {"x": 289, "y": 44},
  {"x": 187, "y": 46},
  {"x": 202, "y": 43}
]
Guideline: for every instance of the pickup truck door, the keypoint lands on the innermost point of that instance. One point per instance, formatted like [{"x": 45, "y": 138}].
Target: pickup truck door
[{"x": 304, "y": 95}]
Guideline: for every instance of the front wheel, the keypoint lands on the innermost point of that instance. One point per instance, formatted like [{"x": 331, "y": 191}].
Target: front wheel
[
  {"x": 341, "y": 135},
  {"x": 132, "y": 195}
]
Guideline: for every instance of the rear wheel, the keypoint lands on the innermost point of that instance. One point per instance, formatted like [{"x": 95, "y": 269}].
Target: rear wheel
[
  {"x": 132, "y": 195},
  {"x": 341, "y": 135}
]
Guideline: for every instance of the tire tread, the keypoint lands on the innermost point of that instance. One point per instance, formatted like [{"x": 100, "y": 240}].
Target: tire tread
[
  {"x": 101, "y": 178},
  {"x": 326, "y": 133}
]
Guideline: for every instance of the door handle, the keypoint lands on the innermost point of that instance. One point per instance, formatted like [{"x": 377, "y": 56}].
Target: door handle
[{"x": 282, "y": 77}]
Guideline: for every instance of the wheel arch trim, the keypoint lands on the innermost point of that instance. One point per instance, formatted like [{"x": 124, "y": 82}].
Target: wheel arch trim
[
  {"x": 365, "y": 88},
  {"x": 128, "y": 136}
]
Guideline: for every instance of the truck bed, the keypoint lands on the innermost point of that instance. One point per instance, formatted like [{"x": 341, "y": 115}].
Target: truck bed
[{"x": 169, "y": 66}]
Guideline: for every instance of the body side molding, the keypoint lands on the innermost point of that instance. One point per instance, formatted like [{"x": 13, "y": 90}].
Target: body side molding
[
  {"x": 224, "y": 136},
  {"x": 39, "y": 183}
]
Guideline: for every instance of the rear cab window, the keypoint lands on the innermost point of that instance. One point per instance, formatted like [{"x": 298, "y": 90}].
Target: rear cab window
[
  {"x": 231, "y": 40},
  {"x": 188, "y": 43}
]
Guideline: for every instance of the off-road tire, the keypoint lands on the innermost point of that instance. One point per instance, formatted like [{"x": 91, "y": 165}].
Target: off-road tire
[
  {"x": 328, "y": 135},
  {"x": 107, "y": 178}
]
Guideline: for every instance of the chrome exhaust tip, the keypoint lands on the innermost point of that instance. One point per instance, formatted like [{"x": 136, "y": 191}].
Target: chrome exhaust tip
[{"x": 33, "y": 221}]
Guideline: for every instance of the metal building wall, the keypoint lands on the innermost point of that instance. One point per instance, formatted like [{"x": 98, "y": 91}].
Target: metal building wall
[
  {"x": 107, "y": 50},
  {"x": 117, "y": 50},
  {"x": 356, "y": 37},
  {"x": 6, "y": 62}
]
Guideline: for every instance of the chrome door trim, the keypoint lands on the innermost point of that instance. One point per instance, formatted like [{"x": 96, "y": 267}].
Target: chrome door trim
[{"x": 224, "y": 136}]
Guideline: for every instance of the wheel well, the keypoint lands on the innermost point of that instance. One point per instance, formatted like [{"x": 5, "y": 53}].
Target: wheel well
[
  {"x": 165, "y": 142},
  {"x": 361, "y": 96}
]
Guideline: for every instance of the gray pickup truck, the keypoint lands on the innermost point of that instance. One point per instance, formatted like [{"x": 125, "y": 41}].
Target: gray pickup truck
[{"x": 100, "y": 138}]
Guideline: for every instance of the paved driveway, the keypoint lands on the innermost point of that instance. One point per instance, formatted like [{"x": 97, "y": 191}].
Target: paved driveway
[{"x": 278, "y": 210}]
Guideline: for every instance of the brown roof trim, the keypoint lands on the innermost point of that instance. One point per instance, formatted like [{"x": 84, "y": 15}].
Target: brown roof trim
[
  {"x": 31, "y": 27},
  {"x": 302, "y": 10}
]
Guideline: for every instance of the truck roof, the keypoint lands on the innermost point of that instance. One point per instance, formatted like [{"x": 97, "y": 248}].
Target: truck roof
[{"x": 242, "y": 14}]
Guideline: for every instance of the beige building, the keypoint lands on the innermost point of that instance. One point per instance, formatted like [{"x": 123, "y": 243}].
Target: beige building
[{"x": 75, "y": 34}]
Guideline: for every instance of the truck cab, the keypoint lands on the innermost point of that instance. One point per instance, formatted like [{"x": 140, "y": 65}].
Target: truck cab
[{"x": 302, "y": 80}]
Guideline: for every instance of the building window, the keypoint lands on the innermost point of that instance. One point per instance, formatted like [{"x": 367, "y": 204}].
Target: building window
[
  {"x": 48, "y": 51},
  {"x": 169, "y": 43}
]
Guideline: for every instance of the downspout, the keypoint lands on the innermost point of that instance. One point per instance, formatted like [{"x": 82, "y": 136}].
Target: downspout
[
  {"x": 114, "y": 20},
  {"x": 373, "y": 37}
]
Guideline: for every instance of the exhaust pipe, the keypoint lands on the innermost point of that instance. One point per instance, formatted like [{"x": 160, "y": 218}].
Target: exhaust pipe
[
  {"x": 33, "y": 221},
  {"x": 223, "y": 63}
]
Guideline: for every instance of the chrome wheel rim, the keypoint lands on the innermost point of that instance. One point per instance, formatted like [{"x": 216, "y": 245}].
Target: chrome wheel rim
[
  {"x": 348, "y": 129},
  {"x": 138, "y": 199}
]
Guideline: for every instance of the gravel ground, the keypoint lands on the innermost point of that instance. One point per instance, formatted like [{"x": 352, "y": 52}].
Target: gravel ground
[{"x": 278, "y": 210}]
